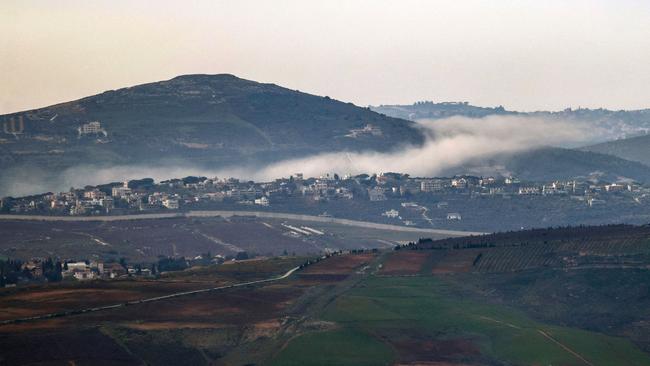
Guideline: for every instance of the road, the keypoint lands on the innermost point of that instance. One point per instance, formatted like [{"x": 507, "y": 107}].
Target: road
[
  {"x": 262, "y": 214},
  {"x": 142, "y": 301}
]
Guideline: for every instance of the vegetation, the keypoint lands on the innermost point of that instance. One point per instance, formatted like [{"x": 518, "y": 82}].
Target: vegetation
[
  {"x": 338, "y": 347},
  {"x": 417, "y": 312}
]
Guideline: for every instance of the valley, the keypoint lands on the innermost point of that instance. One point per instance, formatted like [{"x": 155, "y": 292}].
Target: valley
[{"x": 462, "y": 301}]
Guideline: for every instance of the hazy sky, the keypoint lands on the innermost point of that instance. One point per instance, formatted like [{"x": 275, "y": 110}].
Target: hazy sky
[{"x": 524, "y": 55}]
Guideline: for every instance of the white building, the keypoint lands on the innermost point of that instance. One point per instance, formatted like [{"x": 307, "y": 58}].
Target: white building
[
  {"x": 170, "y": 203},
  {"x": 391, "y": 214},
  {"x": 529, "y": 190},
  {"x": 122, "y": 191},
  {"x": 263, "y": 201},
  {"x": 432, "y": 185},
  {"x": 91, "y": 128}
]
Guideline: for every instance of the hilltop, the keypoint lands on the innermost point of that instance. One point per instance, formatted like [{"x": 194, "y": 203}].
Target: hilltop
[{"x": 208, "y": 120}]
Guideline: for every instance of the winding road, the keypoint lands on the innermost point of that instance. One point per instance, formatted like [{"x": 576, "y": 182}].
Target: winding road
[
  {"x": 142, "y": 301},
  {"x": 261, "y": 214}
]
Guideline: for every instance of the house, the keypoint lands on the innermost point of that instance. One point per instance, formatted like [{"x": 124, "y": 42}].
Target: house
[
  {"x": 84, "y": 275},
  {"x": 113, "y": 270},
  {"x": 615, "y": 187},
  {"x": 108, "y": 203},
  {"x": 376, "y": 194},
  {"x": 459, "y": 183},
  {"x": 529, "y": 190},
  {"x": 432, "y": 185},
  {"x": 91, "y": 128},
  {"x": 34, "y": 267},
  {"x": 80, "y": 271},
  {"x": 170, "y": 203},
  {"x": 512, "y": 180},
  {"x": 94, "y": 194},
  {"x": 595, "y": 202},
  {"x": 391, "y": 214},
  {"x": 487, "y": 181},
  {"x": 263, "y": 201},
  {"x": 122, "y": 191}
]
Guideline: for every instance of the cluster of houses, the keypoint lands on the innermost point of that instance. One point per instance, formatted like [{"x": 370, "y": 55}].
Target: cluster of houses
[
  {"x": 42, "y": 269},
  {"x": 92, "y": 270},
  {"x": 175, "y": 194}
]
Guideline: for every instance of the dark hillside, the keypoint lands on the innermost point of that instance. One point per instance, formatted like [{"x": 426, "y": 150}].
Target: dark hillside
[{"x": 210, "y": 120}]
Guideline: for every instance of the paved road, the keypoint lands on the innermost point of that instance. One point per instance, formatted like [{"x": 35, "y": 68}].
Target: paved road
[
  {"x": 263, "y": 214},
  {"x": 142, "y": 301}
]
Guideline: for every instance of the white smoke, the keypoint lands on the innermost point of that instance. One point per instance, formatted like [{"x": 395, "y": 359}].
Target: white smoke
[{"x": 449, "y": 143}]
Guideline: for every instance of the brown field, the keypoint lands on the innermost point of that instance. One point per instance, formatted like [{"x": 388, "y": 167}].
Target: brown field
[
  {"x": 413, "y": 262},
  {"x": 336, "y": 268},
  {"x": 455, "y": 261},
  {"x": 211, "y": 325},
  {"x": 342, "y": 264},
  {"x": 415, "y": 348},
  {"x": 405, "y": 262},
  {"x": 36, "y": 300}
]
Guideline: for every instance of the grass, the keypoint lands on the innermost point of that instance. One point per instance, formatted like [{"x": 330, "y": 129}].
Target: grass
[
  {"x": 339, "y": 347},
  {"x": 428, "y": 309}
]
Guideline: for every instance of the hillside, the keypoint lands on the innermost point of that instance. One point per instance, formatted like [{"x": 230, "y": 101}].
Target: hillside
[
  {"x": 554, "y": 163},
  {"x": 558, "y": 163},
  {"x": 207, "y": 120},
  {"x": 634, "y": 148},
  {"x": 563, "y": 296},
  {"x": 605, "y": 124}
]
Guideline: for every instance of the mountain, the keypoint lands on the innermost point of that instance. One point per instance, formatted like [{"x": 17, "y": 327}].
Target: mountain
[
  {"x": 634, "y": 148},
  {"x": 206, "y": 123},
  {"x": 206, "y": 120}
]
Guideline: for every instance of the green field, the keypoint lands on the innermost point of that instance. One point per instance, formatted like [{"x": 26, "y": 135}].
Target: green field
[{"x": 409, "y": 319}]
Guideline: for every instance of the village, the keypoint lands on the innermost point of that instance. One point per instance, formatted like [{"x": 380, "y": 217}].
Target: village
[{"x": 145, "y": 195}]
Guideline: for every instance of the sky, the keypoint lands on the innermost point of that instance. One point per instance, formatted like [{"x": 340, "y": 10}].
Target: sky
[{"x": 524, "y": 55}]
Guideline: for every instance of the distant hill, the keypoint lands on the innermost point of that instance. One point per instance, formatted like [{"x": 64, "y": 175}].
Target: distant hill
[
  {"x": 610, "y": 160},
  {"x": 634, "y": 148},
  {"x": 550, "y": 163},
  {"x": 607, "y": 124},
  {"x": 557, "y": 163},
  {"x": 211, "y": 120},
  {"x": 221, "y": 121},
  {"x": 431, "y": 110}
]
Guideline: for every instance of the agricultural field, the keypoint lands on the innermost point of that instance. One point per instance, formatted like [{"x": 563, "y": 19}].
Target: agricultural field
[
  {"x": 231, "y": 327},
  {"x": 146, "y": 240},
  {"x": 553, "y": 297},
  {"x": 424, "y": 320}
]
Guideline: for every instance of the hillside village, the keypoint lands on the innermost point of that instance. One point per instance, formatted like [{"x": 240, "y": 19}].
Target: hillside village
[{"x": 398, "y": 193}]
